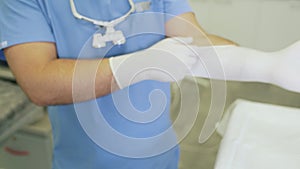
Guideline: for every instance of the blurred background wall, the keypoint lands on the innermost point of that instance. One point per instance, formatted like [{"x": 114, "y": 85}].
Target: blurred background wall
[{"x": 261, "y": 24}]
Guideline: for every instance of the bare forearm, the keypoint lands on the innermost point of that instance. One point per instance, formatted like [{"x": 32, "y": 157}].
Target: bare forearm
[
  {"x": 184, "y": 25},
  {"x": 50, "y": 81},
  {"x": 64, "y": 81},
  {"x": 187, "y": 25}
]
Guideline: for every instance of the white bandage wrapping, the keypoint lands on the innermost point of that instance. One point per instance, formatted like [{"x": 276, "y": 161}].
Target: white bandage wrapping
[
  {"x": 174, "y": 58},
  {"x": 244, "y": 64}
]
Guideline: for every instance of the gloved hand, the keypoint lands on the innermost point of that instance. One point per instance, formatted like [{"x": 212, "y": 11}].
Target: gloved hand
[{"x": 167, "y": 61}]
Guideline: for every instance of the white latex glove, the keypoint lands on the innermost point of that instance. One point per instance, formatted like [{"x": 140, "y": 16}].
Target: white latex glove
[
  {"x": 244, "y": 64},
  {"x": 167, "y": 61}
]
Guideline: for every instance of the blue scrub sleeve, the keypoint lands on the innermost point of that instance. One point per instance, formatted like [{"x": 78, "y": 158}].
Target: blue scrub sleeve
[
  {"x": 176, "y": 7},
  {"x": 2, "y": 55},
  {"x": 23, "y": 21}
]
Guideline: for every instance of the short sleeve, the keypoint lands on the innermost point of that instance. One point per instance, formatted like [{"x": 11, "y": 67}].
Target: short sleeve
[
  {"x": 176, "y": 7},
  {"x": 22, "y": 21}
]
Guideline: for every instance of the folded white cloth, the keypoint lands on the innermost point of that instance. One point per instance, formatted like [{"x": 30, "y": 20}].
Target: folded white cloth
[{"x": 260, "y": 136}]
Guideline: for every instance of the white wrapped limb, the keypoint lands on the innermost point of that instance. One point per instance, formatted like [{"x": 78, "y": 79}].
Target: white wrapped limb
[
  {"x": 167, "y": 61},
  {"x": 280, "y": 68}
]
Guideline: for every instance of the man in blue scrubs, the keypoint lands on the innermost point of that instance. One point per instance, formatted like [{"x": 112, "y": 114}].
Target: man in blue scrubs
[{"x": 42, "y": 41}]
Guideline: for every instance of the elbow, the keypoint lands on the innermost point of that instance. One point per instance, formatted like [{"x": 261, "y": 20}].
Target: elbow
[
  {"x": 44, "y": 97},
  {"x": 40, "y": 93},
  {"x": 38, "y": 99},
  {"x": 39, "y": 102}
]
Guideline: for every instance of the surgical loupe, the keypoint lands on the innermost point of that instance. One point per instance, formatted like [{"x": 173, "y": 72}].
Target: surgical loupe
[{"x": 111, "y": 35}]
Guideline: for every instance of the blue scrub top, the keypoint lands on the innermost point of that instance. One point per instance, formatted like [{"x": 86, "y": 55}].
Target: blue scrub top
[
  {"x": 2, "y": 55},
  {"x": 77, "y": 143}
]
